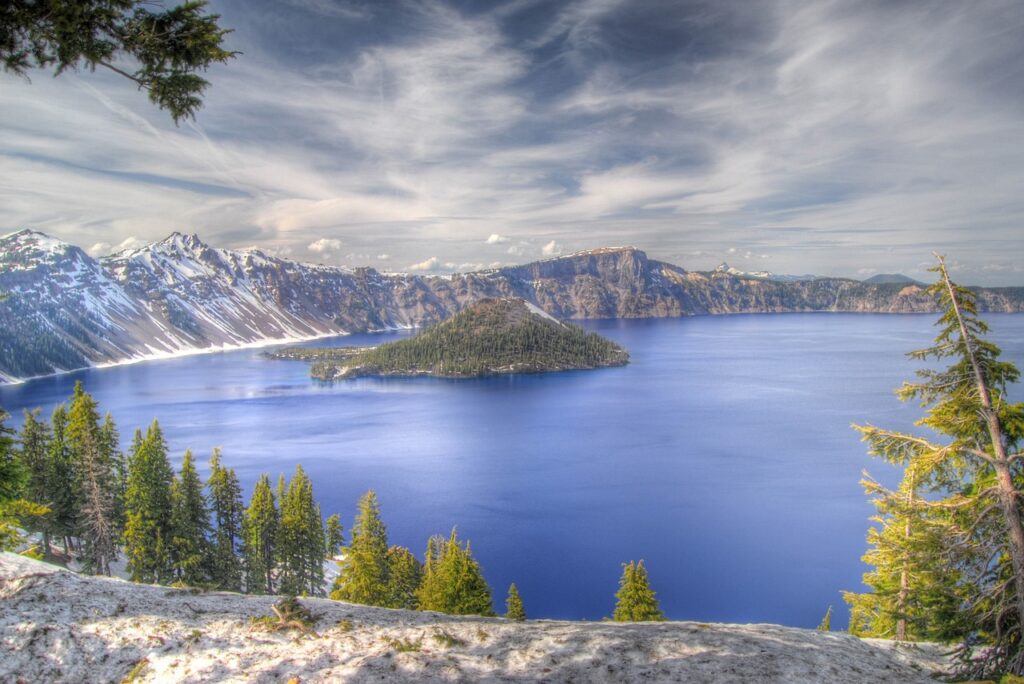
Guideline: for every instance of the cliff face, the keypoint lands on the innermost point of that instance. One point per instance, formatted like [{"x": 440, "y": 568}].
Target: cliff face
[
  {"x": 67, "y": 310},
  {"x": 57, "y": 626}
]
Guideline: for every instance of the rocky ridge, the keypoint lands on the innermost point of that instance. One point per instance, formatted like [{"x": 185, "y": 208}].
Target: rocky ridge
[
  {"x": 58, "y": 626},
  {"x": 67, "y": 310}
]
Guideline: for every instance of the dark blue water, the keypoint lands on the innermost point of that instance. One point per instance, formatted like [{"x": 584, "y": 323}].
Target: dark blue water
[{"x": 722, "y": 455}]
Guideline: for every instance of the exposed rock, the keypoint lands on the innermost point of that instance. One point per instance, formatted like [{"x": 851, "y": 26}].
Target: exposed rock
[{"x": 57, "y": 626}]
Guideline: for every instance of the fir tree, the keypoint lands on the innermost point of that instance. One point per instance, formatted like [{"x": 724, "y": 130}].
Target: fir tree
[
  {"x": 453, "y": 582},
  {"x": 514, "y": 604},
  {"x": 300, "y": 539},
  {"x": 190, "y": 526},
  {"x": 972, "y": 479},
  {"x": 364, "y": 571},
  {"x": 13, "y": 477},
  {"x": 147, "y": 534},
  {"x": 405, "y": 573},
  {"x": 826, "y": 622},
  {"x": 259, "y": 532},
  {"x": 64, "y": 498},
  {"x": 110, "y": 441},
  {"x": 95, "y": 522},
  {"x": 333, "y": 536},
  {"x": 636, "y": 600},
  {"x": 226, "y": 505},
  {"x": 34, "y": 455}
]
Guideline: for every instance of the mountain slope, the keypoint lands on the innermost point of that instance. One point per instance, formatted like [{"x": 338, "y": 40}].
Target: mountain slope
[
  {"x": 57, "y": 626},
  {"x": 67, "y": 310},
  {"x": 487, "y": 337}
]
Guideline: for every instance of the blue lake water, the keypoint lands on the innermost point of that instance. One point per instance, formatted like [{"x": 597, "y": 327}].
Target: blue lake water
[{"x": 722, "y": 455}]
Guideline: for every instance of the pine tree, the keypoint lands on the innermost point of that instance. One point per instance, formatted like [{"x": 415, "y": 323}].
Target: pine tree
[
  {"x": 334, "y": 536},
  {"x": 226, "y": 505},
  {"x": 96, "y": 519},
  {"x": 972, "y": 479},
  {"x": 110, "y": 441},
  {"x": 364, "y": 570},
  {"x": 405, "y": 573},
  {"x": 34, "y": 455},
  {"x": 259, "y": 532},
  {"x": 636, "y": 600},
  {"x": 826, "y": 622},
  {"x": 190, "y": 526},
  {"x": 300, "y": 539},
  {"x": 453, "y": 582},
  {"x": 514, "y": 604},
  {"x": 147, "y": 534},
  {"x": 64, "y": 492},
  {"x": 13, "y": 478}
]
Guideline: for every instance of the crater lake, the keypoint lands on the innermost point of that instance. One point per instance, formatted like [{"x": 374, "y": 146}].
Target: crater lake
[{"x": 722, "y": 454}]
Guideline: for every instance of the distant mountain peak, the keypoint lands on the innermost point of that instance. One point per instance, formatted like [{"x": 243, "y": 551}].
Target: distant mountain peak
[{"x": 891, "y": 278}]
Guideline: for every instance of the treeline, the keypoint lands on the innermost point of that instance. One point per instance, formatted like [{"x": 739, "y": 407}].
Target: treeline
[
  {"x": 68, "y": 482},
  {"x": 486, "y": 336},
  {"x": 947, "y": 547}
]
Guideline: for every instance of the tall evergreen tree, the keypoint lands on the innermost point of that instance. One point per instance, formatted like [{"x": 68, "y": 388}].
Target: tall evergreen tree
[
  {"x": 228, "y": 510},
  {"x": 973, "y": 479},
  {"x": 96, "y": 518},
  {"x": 147, "y": 534},
  {"x": 12, "y": 482},
  {"x": 453, "y": 582},
  {"x": 300, "y": 539},
  {"x": 190, "y": 526},
  {"x": 110, "y": 440},
  {"x": 636, "y": 600},
  {"x": 34, "y": 455},
  {"x": 405, "y": 573},
  {"x": 333, "y": 536},
  {"x": 364, "y": 571},
  {"x": 64, "y": 502},
  {"x": 514, "y": 604},
  {"x": 259, "y": 532}
]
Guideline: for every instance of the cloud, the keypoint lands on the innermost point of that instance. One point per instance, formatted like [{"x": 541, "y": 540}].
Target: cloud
[
  {"x": 324, "y": 245},
  {"x": 384, "y": 257},
  {"x": 827, "y": 136},
  {"x": 431, "y": 264},
  {"x": 551, "y": 249}
]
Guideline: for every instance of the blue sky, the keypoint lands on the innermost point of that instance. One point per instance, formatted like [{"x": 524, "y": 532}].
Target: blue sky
[{"x": 827, "y": 137}]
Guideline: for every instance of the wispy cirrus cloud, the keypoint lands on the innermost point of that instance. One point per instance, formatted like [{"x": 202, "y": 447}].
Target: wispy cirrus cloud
[{"x": 827, "y": 137}]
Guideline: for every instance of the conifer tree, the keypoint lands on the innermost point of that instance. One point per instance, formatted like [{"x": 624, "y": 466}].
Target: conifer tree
[
  {"x": 13, "y": 477},
  {"x": 259, "y": 532},
  {"x": 453, "y": 582},
  {"x": 226, "y": 505},
  {"x": 364, "y": 570},
  {"x": 514, "y": 604},
  {"x": 95, "y": 516},
  {"x": 404, "y": 576},
  {"x": 334, "y": 536},
  {"x": 64, "y": 497},
  {"x": 636, "y": 600},
  {"x": 34, "y": 455},
  {"x": 110, "y": 441},
  {"x": 972, "y": 478},
  {"x": 147, "y": 534},
  {"x": 826, "y": 622},
  {"x": 300, "y": 539},
  {"x": 190, "y": 526}
]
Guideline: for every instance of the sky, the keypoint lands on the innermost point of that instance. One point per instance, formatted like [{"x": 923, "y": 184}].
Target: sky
[{"x": 833, "y": 138}]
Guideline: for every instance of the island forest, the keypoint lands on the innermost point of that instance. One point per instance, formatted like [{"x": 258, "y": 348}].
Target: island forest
[{"x": 946, "y": 545}]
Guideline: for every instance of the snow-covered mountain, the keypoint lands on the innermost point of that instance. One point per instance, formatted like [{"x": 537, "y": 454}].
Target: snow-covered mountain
[{"x": 67, "y": 310}]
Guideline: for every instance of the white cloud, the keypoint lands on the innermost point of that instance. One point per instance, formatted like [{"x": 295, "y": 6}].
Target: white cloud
[
  {"x": 496, "y": 239},
  {"x": 384, "y": 257},
  {"x": 431, "y": 264},
  {"x": 551, "y": 249},
  {"x": 324, "y": 245}
]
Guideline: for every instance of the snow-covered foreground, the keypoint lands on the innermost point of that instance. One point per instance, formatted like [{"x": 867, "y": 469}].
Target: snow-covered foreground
[{"x": 56, "y": 625}]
